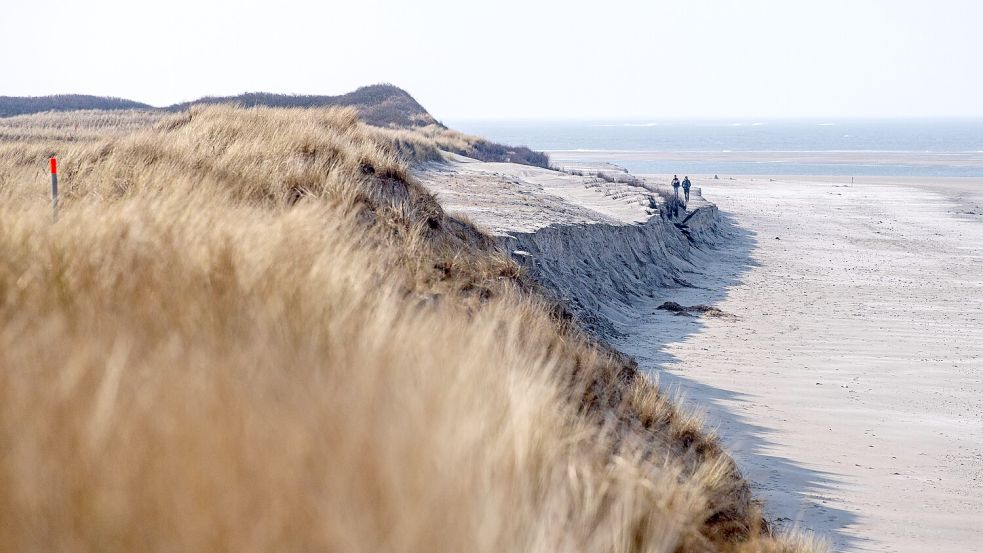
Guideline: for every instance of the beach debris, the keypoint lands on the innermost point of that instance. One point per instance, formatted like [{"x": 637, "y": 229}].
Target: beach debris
[
  {"x": 524, "y": 259},
  {"x": 694, "y": 310}
]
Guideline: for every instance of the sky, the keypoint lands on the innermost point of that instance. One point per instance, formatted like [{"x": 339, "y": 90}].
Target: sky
[{"x": 514, "y": 59}]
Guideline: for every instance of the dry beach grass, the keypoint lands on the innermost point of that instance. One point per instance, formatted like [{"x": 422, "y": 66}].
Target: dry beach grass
[{"x": 251, "y": 330}]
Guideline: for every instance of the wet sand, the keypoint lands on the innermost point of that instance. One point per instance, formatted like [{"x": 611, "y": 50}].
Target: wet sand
[
  {"x": 849, "y": 387},
  {"x": 916, "y": 159}
]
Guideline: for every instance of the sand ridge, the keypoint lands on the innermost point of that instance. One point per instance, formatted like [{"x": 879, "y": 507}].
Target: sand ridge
[
  {"x": 597, "y": 246},
  {"x": 506, "y": 197}
]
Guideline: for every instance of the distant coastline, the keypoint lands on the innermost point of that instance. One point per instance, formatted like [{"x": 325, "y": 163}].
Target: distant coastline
[
  {"x": 900, "y": 148},
  {"x": 798, "y": 163}
]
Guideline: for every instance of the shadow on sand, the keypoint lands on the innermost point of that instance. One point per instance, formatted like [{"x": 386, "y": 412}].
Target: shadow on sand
[{"x": 795, "y": 496}]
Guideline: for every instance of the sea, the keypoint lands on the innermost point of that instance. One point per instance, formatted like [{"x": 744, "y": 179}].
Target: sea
[{"x": 895, "y": 147}]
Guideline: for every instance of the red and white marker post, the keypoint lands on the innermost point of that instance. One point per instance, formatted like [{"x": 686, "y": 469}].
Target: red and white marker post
[{"x": 54, "y": 187}]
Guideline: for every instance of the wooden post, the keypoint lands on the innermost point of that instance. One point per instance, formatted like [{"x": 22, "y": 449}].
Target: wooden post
[{"x": 54, "y": 188}]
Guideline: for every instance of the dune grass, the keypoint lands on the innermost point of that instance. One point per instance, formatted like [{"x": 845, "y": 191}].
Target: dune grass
[
  {"x": 423, "y": 143},
  {"x": 251, "y": 330}
]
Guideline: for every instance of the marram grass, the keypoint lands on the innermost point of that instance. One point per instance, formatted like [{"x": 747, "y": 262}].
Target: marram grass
[{"x": 250, "y": 330}]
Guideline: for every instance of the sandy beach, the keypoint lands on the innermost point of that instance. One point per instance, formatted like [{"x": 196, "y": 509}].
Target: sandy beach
[
  {"x": 845, "y": 372},
  {"x": 849, "y": 384}
]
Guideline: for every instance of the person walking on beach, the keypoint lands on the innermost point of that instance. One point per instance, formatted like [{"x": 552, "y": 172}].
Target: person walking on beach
[
  {"x": 686, "y": 185},
  {"x": 675, "y": 189}
]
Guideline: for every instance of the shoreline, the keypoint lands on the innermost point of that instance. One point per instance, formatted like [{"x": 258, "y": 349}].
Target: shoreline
[
  {"x": 945, "y": 158},
  {"x": 832, "y": 164}
]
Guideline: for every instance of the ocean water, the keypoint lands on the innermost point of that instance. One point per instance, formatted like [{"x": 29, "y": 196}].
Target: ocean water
[{"x": 946, "y": 147}]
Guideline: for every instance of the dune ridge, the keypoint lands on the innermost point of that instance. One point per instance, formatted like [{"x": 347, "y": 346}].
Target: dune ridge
[{"x": 254, "y": 329}]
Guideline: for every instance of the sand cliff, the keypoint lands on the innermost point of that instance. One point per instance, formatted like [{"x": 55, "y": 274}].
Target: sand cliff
[{"x": 600, "y": 247}]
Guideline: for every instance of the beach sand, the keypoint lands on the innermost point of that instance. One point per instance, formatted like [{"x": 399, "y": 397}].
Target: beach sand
[
  {"x": 849, "y": 387},
  {"x": 846, "y": 373}
]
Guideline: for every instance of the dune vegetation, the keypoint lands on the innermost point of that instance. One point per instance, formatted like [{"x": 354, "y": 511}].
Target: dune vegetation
[
  {"x": 252, "y": 330},
  {"x": 383, "y": 106}
]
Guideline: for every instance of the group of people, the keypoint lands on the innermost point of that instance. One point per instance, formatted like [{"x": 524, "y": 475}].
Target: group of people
[{"x": 676, "y": 204}]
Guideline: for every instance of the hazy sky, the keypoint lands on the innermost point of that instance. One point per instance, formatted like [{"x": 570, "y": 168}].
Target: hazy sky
[{"x": 516, "y": 58}]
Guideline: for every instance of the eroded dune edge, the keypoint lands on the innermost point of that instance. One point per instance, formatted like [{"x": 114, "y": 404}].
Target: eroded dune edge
[{"x": 259, "y": 329}]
